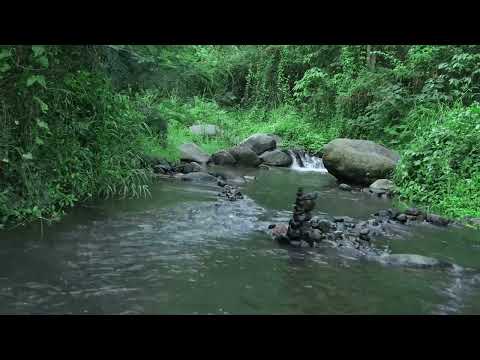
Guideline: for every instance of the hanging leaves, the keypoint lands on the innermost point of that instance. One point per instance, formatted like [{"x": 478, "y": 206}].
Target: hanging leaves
[{"x": 33, "y": 79}]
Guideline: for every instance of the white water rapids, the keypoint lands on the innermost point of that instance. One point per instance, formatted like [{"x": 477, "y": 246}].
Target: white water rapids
[{"x": 305, "y": 162}]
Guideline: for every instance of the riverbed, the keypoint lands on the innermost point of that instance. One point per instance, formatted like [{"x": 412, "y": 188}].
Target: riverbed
[{"x": 185, "y": 251}]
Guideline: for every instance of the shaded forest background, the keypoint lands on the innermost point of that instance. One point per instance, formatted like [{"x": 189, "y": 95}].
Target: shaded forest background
[{"x": 81, "y": 122}]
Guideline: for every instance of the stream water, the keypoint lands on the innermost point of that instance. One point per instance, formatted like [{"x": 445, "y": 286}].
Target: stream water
[{"x": 184, "y": 251}]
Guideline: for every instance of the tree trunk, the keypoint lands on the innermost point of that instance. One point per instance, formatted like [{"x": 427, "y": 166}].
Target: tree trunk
[{"x": 371, "y": 58}]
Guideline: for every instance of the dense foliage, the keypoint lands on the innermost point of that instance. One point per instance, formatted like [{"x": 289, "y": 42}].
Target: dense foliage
[{"x": 76, "y": 121}]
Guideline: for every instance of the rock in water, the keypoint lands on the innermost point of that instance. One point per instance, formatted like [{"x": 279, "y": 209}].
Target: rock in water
[
  {"x": 189, "y": 167},
  {"x": 276, "y": 158},
  {"x": 260, "y": 143},
  {"x": 191, "y": 152},
  {"x": 345, "y": 187},
  {"x": 205, "y": 130},
  {"x": 300, "y": 227},
  {"x": 245, "y": 156},
  {"x": 223, "y": 158},
  {"x": 359, "y": 161},
  {"x": 199, "y": 177},
  {"x": 411, "y": 260},
  {"x": 437, "y": 220},
  {"x": 382, "y": 186}
]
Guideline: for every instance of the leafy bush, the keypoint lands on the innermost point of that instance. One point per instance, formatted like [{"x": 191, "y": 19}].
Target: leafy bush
[{"x": 440, "y": 167}]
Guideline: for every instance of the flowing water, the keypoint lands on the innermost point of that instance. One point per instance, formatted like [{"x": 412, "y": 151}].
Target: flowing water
[{"x": 184, "y": 251}]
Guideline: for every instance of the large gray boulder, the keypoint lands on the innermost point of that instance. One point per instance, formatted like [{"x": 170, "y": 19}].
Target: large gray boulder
[
  {"x": 205, "y": 130},
  {"x": 260, "y": 143},
  {"x": 276, "y": 158},
  {"x": 199, "y": 177},
  {"x": 191, "y": 152},
  {"x": 223, "y": 158},
  {"x": 359, "y": 161},
  {"x": 245, "y": 156}
]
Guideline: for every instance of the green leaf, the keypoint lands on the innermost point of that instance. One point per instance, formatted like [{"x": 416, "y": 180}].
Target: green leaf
[
  {"x": 36, "y": 79},
  {"x": 4, "y": 53},
  {"x": 38, "y": 50},
  {"x": 43, "y": 106},
  {"x": 39, "y": 141},
  {"x": 42, "y": 124},
  {"x": 27, "y": 156},
  {"x": 43, "y": 61},
  {"x": 4, "y": 68}
]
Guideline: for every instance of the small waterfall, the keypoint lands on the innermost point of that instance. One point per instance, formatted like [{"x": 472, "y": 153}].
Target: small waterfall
[{"x": 305, "y": 162}]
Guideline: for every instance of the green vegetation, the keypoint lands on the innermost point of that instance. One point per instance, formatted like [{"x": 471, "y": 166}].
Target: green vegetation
[{"x": 77, "y": 121}]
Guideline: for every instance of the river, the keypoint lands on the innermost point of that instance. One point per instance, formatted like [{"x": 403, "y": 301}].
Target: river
[{"x": 184, "y": 251}]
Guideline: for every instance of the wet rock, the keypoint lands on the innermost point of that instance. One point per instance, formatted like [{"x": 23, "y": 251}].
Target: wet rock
[
  {"x": 345, "y": 187},
  {"x": 358, "y": 161},
  {"x": 187, "y": 168},
  {"x": 159, "y": 169},
  {"x": 323, "y": 225},
  {"x": 316, "y": 235},
  {"x": 473, "y": 221},
  {"x": 393, "y": 213},
  {"x": 382, "y": 186},
  {"x": 245, "y": 156},
  {"x": 411, "y": 260},
  {"x": 231, "y": 193},
  {"x": 199, "y": 177},
  {"x": 413, "y": 212},
  {"x": 342, "y": 219},
  {"x": 221, "y": 183},
  {"x": 364, "y": 234},
  {"x": 260, "y": 143},
  {"x": 276, "y": 158},
  {"x": 264, "y": 167},
  {"x": 191, "y": 152},
  {"x": 223, "y": 158},
  {"x": 402, "y": 218},
  {"x": 437, "y": 220},
  {"x": 279, "y": 233},
  {"x": 299, "y": 226}
]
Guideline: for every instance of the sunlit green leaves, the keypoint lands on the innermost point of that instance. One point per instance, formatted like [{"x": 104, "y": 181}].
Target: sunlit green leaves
[
  {"x": 43, "y": 106},
  {"x": 34, "y": 79},
  {"x": 38, "y": 50},
  {"x": 27, "y": 156},
  {"x": 5, "y": 53},
  {"x": 43, "y": 61}
]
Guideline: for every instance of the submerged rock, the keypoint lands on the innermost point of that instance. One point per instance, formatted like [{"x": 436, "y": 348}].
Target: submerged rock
[
  {"x": 199, "y": 177},
  {"x": 411, "y": 260}
]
